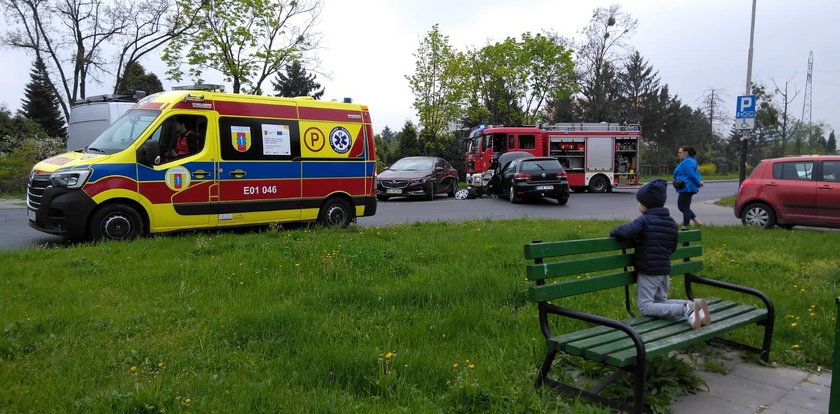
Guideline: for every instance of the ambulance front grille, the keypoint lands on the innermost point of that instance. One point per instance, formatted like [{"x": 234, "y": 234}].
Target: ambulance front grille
[{"x": 35, "y": 190}]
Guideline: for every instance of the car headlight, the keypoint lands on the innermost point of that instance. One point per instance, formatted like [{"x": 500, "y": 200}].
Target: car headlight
[{"x": 69, "y": 179}]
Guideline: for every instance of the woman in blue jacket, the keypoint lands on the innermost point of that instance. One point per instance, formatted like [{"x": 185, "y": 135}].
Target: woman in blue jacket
[{"x": 689, "y": 174}]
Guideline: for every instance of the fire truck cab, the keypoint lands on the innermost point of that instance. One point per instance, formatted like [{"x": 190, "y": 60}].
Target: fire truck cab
[{"x": 596, "y": 156}]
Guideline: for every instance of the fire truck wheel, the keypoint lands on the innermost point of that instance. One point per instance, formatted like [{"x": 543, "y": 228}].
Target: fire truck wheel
[
  {"x": 598, "y": 184},
  {"x": 116, "y": 221},
  {"x": 335, "y": 213}
]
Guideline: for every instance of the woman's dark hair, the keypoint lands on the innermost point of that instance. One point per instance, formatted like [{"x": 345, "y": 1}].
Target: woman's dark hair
[{"x": 689, "y": 149}]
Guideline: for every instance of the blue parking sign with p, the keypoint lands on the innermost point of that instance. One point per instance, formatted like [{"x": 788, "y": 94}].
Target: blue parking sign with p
[{"x": 745, "y": 107}]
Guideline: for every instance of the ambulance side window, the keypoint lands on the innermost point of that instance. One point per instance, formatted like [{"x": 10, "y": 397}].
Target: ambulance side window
[{"x": 256, "y": 139}]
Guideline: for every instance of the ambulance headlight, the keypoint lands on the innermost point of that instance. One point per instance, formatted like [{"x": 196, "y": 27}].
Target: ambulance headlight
[{"x": 69, "y": 179}]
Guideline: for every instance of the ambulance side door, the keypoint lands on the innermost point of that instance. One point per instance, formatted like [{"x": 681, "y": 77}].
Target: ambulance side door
[
  {"x": 179, "y": 187},
  {"x": 259, "y": 170}
]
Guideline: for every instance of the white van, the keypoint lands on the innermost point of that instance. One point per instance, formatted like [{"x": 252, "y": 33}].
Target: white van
[{"x": 90, "y": 116}]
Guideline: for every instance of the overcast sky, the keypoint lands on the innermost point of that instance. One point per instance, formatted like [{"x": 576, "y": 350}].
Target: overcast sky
[{"x": 696, "y": 45}]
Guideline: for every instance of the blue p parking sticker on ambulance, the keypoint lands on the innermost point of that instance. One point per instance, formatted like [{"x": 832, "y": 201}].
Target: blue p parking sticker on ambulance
[
  {"x": 340, "y": 140},
  {"x": 177, "y": 178}
]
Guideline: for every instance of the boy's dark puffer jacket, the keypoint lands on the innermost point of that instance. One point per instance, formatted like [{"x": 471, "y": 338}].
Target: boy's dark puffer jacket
[{"x": 654, "y": 234}]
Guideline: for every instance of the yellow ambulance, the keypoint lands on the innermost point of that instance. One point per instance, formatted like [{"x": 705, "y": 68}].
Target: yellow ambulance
[{"x": 182, "y": 160}]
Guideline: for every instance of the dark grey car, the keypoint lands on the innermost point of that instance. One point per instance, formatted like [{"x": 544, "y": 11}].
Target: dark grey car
[{"x": 417, "y": 177}]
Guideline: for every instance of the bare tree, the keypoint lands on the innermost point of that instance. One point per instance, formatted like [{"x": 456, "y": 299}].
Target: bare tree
[
  {"x": 783, "y": 123},
  {"x": 151, "y": 24},
  {"x": 599, "y": 55},
  {"x": 75, "y": 37},
  {"x": 69, "y": 35}
]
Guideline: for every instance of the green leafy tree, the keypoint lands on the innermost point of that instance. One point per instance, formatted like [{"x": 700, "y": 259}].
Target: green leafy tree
[
  {"x": 248, "y": 41},
  {"x": 135, "y": 78},
  {"x": 40, "y": 102},
  {"x": 296, "y": 82},
  {"x": 438, "y": 87},
  {"x": 512, "y": 80}
]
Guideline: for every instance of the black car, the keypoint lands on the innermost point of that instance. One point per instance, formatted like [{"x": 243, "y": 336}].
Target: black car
[
  {"x": 417, "y": 177},
  {"x": 534, "y": 177}
]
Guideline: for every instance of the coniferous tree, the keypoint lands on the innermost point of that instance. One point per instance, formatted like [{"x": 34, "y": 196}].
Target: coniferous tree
[
  {"x": 135, "y": 78},
  {"x": 296, "y": 82},
  {"x": 40, "y": 102}
]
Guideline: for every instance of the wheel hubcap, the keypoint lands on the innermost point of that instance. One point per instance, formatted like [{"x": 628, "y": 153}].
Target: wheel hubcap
[
  {"x": 757, "y": 217},
  {"x": 116, "y": 227},
  {"x": 336, "y": 216}
]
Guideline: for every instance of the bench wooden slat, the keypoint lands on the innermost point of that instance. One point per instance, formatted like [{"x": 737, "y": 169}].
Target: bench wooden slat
[
  {"x": 593, "y": 264},
  {"x": 579, "y": 286},
  {"x": 674, "y": 333},
  {"x": 578, "y": 266},
  {"x": 611, "y": 335},
  {"x": 571, "y": 247},
  {"x": 718, "y": 328},
  {"x": 680, "y": 268}
]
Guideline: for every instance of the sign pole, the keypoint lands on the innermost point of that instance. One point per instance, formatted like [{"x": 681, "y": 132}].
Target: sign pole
[{"x": 745, "y": 134}]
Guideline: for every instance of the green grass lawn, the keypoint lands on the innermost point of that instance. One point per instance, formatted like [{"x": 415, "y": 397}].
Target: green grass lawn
[{"x": 418, "y": 318}]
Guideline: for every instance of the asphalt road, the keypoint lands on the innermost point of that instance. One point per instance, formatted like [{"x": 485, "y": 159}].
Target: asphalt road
[{"x": 15, "y": 232}]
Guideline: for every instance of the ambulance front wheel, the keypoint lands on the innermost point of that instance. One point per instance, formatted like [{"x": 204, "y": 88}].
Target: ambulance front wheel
[
  {"x": 116, "y": 221},
  {"x": 336, "y": 212}
]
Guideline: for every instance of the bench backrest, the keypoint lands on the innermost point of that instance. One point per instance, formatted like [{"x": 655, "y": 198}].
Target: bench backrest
[{"x": 573, "y": 267}]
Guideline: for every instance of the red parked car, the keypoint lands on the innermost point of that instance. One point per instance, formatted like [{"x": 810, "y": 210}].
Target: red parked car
[{"x": 790, "y": 191}]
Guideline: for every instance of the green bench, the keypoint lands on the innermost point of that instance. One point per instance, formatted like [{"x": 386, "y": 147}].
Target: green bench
[{"x": 564, "y": 269}]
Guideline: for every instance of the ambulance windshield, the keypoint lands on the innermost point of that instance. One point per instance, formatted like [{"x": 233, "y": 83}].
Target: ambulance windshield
[{"x": 123, "y": 132}]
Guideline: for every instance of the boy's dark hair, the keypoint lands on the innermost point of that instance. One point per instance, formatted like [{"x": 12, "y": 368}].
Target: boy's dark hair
[{"x": 689, "y": 149}]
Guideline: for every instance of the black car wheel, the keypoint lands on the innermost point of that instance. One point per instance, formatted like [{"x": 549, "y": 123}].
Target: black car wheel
[
  {"x": 116, "y": 221},
  {"x": 759, "y": 215},
  {"x": 512, "y": 195},
  {"x": 452, "y": 187},
  {"x": 562, "y": 201},
  {"x": 336, "y": 212}
]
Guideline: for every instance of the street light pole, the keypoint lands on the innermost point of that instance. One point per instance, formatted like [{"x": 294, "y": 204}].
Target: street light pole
[{"x": 745, "y": 133}]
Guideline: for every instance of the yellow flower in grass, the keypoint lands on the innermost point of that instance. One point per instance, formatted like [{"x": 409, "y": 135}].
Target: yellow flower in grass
[
  {"x": 455, "y": 365},
  {"x": 794, "y": 325},
  {"x": 795, "y": 346},
  {"x": 133, "y": 368},
  {"x": 389, "y": 355},
  {"x": 472, "y": 366}
]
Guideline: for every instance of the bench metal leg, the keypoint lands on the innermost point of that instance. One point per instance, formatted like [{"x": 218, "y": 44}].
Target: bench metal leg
[{"x": 546, "y": 366}]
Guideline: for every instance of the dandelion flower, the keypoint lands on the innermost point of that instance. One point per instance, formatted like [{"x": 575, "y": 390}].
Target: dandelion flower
[
  {"x": 160, "y": 364},
  {"x": 793, "y": 325},
  {"x": 455, "y": 365},
  {"x": 133, "y": 368},
  {"x": 187, "y": 400},
  {"x": 795, "y": 346},
  {"x": 388, "y": 355},
  {"x": 472, "y": 366}
]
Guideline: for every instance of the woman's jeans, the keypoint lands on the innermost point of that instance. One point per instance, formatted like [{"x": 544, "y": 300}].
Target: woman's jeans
[{"x": 684, "y": 204}]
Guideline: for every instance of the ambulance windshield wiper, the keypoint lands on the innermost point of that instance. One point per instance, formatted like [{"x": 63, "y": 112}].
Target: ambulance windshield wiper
[{"x": 95, "y": 149}]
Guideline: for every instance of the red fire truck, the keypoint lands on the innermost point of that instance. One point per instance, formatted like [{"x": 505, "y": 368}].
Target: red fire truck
[{"x": 596, "y": 156}]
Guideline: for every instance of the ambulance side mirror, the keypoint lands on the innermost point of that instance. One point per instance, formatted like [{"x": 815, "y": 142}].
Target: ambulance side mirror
[{"x": 148, "y": 154}]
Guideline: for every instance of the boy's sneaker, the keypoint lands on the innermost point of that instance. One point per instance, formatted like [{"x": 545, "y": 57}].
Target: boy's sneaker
[
  {"x": 703, "y": 308},
  {"x": 693, "y": 314}
]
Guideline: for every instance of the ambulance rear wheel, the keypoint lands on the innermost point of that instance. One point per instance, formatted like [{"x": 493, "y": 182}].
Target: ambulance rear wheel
[
  {"x": 335, "y": 213},
  {"x": 116, "y": 221}
]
